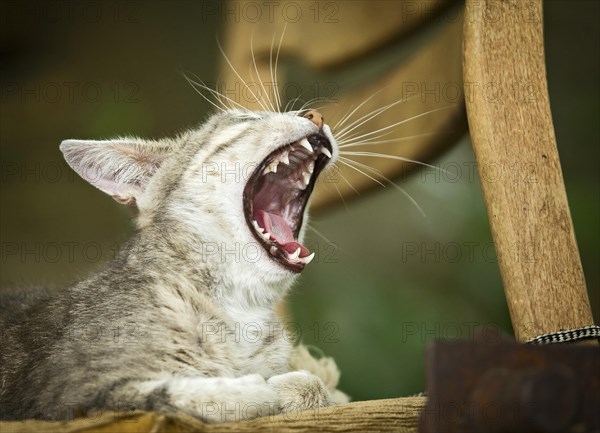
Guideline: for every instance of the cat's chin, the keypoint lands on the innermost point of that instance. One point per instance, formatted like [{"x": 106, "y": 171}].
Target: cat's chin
[{"x": 276, "y": 196}]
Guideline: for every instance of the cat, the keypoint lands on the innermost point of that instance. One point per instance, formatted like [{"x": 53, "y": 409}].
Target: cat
[{"x": 183, "y": 319}]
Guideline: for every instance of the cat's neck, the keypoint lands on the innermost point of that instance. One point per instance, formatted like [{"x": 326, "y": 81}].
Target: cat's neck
[{"x": 187, "y": 265}]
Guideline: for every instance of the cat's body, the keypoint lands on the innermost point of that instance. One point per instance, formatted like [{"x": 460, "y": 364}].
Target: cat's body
[{"x": 184, "y": 318}]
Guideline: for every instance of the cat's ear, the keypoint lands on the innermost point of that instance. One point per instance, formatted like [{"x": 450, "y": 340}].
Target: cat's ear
[{"x": 121, "y": 167}]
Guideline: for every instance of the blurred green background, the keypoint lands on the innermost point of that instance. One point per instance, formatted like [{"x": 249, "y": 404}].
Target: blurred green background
[{"x": 389, "y": 281}]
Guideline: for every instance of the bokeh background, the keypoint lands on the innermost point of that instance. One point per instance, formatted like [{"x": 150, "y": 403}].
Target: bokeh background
[{"x": 388, "y": 280}]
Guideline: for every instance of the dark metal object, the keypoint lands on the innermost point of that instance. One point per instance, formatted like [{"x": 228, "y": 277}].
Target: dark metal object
[{"x": 508, "y": 387}]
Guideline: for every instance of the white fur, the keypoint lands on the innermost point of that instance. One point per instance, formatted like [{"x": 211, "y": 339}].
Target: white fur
[
  {"x": 218, "y": 399},
  {"x": 227, "y": 399}
]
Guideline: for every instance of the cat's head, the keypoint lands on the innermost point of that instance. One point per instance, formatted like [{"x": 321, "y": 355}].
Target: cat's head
[{"x": 240, "y": 183}]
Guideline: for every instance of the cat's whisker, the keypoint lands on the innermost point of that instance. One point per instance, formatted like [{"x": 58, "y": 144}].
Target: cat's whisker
[
  {"x": 265, "y": 99},
  {"x": 349, "y": 129},
  {"x": 342, "y": 197},
  {"x": 401, "y": 122},
  {"x": 321, "y": 235},
  {"x": 367, "y": 118},
  {"x": 349, "y": 141},
  {"x": 259, "y": 78},
  {"x": 274, "y": 71},
  {"x": 398, "y": 187},
  {"x": 273, "y": 86},
  {"x": 351, "y": 163},
  {"x": 355, "y": 123},
  {"x": 195, "y": 86},
  {"x": 219, "y": 96},
  {"x": 309, "y": 103},
  {"x": 290, "y": 104},
  {"x": 411, "y": 199},
  {"x": 372, "y": 141},
  {"x": 224, "y": 100},
  {"x": 396, "y": 157},
  {"x": 240, "y": 77},
  {"x": 293, "y": 101},
  {"x": 346, "y": 180},
  {"x": 351, "y": 112},
  {"x": 305, "y": 103},
  {"x": 370, "y": 116}
]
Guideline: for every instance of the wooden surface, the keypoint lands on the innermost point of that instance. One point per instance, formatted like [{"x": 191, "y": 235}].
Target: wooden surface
[
  {"x": 399, "y": 415},
  {"x": 389, "y": 51},
  {"x": 515, "y": 147}
]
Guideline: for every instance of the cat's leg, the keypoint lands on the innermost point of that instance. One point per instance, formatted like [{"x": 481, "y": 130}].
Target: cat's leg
[
  {"x": 212, "y": 399},
  {"x": 223, "y": 399}
]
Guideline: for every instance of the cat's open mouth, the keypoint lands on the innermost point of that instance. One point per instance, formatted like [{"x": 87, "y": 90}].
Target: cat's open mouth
[{"x": 276, "y": 195}]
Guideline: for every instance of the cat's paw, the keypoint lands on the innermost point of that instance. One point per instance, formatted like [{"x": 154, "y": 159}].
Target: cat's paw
[
  {"x": 299, "y": 390},
  {"x": 323, "y": 367}
]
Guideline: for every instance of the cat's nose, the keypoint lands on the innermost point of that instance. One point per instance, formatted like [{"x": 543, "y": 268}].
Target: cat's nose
[{"x": 315, "y": 117}]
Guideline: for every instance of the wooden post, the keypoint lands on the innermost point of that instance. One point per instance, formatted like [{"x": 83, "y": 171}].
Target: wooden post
[{"x": 513, "y": 138}]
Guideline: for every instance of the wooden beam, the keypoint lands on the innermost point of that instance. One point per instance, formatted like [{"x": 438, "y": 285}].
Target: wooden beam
[
  {"x": 400, "y": 415},
  {"x": 513, "y": 138}
]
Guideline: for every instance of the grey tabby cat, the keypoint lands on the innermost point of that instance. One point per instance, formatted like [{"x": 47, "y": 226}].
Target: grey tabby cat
[{"x": 184, "y": 318}]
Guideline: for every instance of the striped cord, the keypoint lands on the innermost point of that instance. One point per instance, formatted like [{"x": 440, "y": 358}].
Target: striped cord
[{"x": 563, "y": 336}]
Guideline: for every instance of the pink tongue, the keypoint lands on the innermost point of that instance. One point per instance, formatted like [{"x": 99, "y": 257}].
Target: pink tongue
[{"x": 280, "y": 231}]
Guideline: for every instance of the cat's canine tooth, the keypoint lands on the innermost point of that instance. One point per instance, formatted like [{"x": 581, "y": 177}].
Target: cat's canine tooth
[
  {"x": 326, "y": 152},
  {"x": 306, "y": 178},
  {"x": 294, "y": 255},
  {"x": 273, "y": 250},
  {"x": 306, "y": 260},
  {"x": 305, "y": 144},
  {"x": 311, "y": 167},
  {"x": 258, "y": 228},
  {"x": 284, "y": 158},
  {"x": 271, "y": 168}
]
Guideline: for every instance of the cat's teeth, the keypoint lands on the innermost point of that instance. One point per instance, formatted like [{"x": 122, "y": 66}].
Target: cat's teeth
[
  {"x": 266, "y": 236},
  {"x": 295, "y": 255},
  {"x": 306, "y": 260},
  {"x": 306, "y": 178},
  {"x": 284, "y": 158},
  {"x": 258, "y": 228},
  {"x": 305, "y": 144},
  {"x": 311, "y": 167},
  {"x": 271, "y": 168},
  {"x": 326, "y": 152},
  {"x": 273, "y": 250}
]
